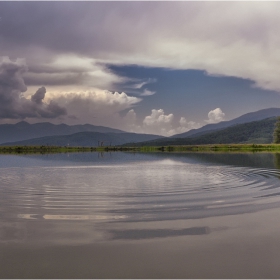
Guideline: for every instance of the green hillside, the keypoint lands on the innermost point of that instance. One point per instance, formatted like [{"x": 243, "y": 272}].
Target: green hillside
[
  {"x": 258, "y": 132},
  {"x": 23, "y": 130},
  {"x": 85, "y": 139}
]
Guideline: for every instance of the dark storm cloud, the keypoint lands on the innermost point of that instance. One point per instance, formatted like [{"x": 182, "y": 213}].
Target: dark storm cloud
[
  {"x": 216, "y": 37},
  {"x": 69, "y": 69},
  {"x": 99, "y": 27},
  {"x": 39, "y": 95},
  {"x": 13, "y": 104},
  {"x": 55, "y": 26},
  {"x": 55, "y": 78},
  {"x": 39, "y": 74},
  {"x": 54, "y": 75},
  {"x": 61, "y": 26}
]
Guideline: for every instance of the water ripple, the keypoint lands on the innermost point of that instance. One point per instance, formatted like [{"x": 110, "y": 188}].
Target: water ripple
[{"x": 136, "y": 192}]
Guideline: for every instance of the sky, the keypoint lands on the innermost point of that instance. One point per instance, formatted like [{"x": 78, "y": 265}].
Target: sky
[{"x": 147, "y": 67}]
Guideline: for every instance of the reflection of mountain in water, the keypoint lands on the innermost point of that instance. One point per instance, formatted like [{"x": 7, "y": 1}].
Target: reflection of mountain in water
[
  {"x": 136, "y": 234},
  {"x": 259, "y": 160},
  {"x": 277, "y": 160},
  {"x": 256, "y": 160}
]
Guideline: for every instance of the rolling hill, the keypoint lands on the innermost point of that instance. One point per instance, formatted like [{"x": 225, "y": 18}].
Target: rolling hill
[
  {"x": 86, "y": 139},
  {"x": 258, "y": 132},
  {"x": 24, "y": 130},
  {"x": 249, "y": 117}
]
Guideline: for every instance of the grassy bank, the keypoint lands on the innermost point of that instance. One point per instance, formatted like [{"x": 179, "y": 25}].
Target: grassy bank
[
  {"x": 42, "y": 149},
  {"x": 59, "y": 149},
  {"x": 216, "y": 147},
  {"x": 180, "y": 148}
]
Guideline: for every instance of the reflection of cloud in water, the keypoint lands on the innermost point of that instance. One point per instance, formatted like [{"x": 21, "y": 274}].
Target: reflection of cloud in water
[
  {"x": 71, "y": 217},
  {"x": 82, "y": 217},
  {"x": 89, "y": 167},
  {"x": 27, "y": 216},
  {"x": 134, "y": 234},
  {"x": 169, "y": 162}
]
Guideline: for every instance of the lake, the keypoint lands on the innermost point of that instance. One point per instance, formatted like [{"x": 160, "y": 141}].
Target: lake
[{"x": 140, "y": 215}]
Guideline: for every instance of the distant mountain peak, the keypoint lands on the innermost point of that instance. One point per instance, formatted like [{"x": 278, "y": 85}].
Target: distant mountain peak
[
  {"x": 24, "y": 130},
  {"x": 22, "y": 123}
]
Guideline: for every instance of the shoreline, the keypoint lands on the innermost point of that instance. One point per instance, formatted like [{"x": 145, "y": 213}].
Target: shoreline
[{"x": 182, "y": 148}]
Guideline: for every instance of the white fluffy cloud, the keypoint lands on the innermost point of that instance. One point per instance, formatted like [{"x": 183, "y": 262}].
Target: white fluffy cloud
[
  {"x": 186, "y": 125},
  {"x": 157, "y": 117},
  {"x": 100, "y": 107},
  {"x": 215, "y": 116},
  {"x": 158, "y": 122}
]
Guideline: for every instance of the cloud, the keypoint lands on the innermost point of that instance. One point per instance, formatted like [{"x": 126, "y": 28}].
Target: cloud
[
  {"x": 215, "y": 116},
  {"x": 158, "y": 123},
  {"x": 39, "y": 95},
  {"x": 147, "y": 92},
  {"x": 71, "y": 70},
  {"x": 238, "y": 39},
  {"x": 186, "y": 125},
  {"x": 158, "y": 117},
  {"x": 13, "y": 105},
  {"x": 130, "y": 117},
  {"x": 119, "y": 101},
  {"x": 130, "y": 122},
  {"x": 92, "y": 106},
  {"x": 100, "y": 107},
  {"x": 135, "y": 86},
  {"x": 146, "y": 82}
]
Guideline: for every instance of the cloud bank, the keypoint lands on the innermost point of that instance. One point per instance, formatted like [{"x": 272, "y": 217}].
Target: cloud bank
[
  {"x": 67, "y": 106},
  {"x": 238, "y": 39},
  {"x": 157, "y": 123},
  {"x": 100, "y": 107},
  {"x": 13, "y": 105}
]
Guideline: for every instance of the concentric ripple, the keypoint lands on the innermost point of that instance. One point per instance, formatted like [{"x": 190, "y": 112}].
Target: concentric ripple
[{"x": 139, "y": 191}]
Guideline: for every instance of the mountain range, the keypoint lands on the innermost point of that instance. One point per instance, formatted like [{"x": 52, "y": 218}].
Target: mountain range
[
  {"x": 254, "y": 127},
  {"x": 23, "y": 130},
  {"x": 246, "y": 118},
  {"x": 86, "y": 139},
  {"x": 257, "y": 132}
]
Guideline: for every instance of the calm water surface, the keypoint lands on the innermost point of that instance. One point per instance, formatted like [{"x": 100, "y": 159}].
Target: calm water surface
[{"x": 125, "y": 215}]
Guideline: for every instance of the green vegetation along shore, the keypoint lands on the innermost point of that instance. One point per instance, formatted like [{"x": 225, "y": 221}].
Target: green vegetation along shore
[
  {"x": 42, "y": 149},
  {"x": 180, "y": 148}
]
